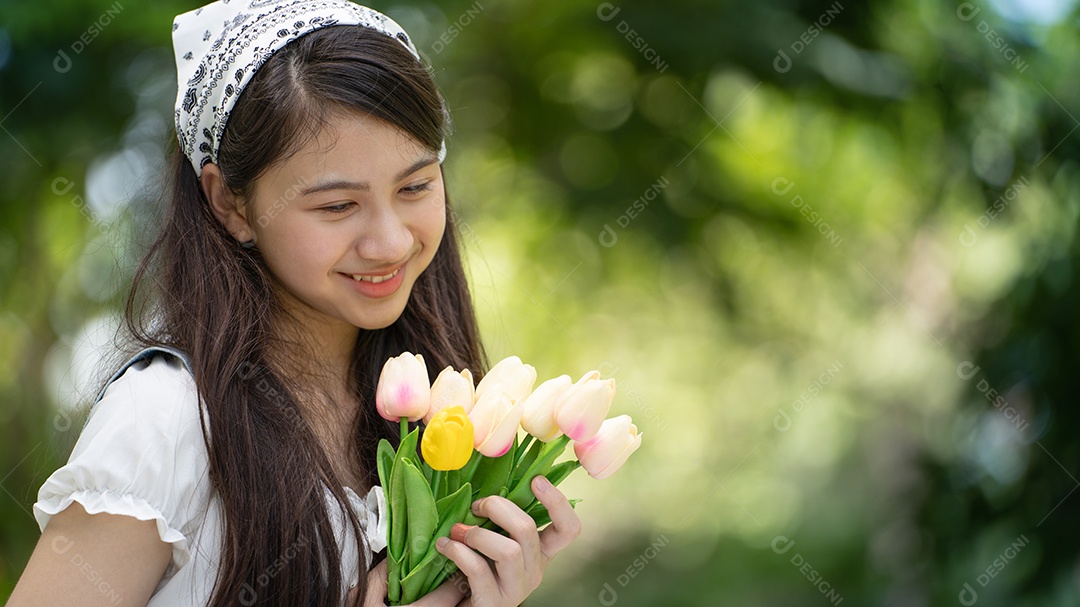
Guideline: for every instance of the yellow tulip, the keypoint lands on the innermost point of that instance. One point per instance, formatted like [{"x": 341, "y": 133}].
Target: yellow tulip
[{"x": 448, "y": 439}]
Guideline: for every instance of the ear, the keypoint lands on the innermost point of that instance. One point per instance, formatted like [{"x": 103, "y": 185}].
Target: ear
[{"x": 227, "y": 207}]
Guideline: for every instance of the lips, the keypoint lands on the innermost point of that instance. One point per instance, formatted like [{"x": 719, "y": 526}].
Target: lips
[
  {"x": 376, "y": 279},
  {"x": 377, "y": 286}
]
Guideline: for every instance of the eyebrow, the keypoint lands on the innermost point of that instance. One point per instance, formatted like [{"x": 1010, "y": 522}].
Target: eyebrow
[{"x": 363, "y": 186}]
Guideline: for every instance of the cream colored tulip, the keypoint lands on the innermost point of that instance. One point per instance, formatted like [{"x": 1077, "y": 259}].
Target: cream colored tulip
[
  {"x": 451, "y": 389},
  {"x": 582, "y": 408},
  {"x": 516, "y": 378},
  {"x": 496, "y": 418},
  {"x": 404, "y": 389},
  {"x": 538, "y": 417},
  {"x": 608, "y": 450}
]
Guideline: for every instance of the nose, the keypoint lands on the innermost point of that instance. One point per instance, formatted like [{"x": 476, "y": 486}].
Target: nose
[{"x": 386, "y": 238}]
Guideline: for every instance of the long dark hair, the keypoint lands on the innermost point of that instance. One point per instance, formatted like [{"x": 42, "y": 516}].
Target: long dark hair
[{"x": 197, "y": 290}]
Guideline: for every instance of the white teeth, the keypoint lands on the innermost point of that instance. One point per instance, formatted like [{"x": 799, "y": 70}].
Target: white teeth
[{"x": 376, "y": 279}]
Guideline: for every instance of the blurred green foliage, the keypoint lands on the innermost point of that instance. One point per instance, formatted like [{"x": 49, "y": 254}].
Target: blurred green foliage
[{"x": 827, "y": 249}]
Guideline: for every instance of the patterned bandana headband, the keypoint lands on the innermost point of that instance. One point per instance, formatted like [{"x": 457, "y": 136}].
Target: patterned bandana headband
[{"x": 220, "y": 46}]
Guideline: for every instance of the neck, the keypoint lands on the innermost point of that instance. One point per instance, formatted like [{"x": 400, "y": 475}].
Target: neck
[
  {"x": 317, "y": 354},
  {"x": 317, "y": 350},
  {"x": 315, "y": 347}
]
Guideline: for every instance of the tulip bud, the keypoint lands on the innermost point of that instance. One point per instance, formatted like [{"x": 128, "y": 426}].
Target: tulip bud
[
  {"x": 404, "y": 389},
  {"x": 448, "y": 439},
  {"x": 582, "y": 408},
  {"x": 451, "y": 389},
  {"x": 496, "y": 419},
  {"x": 606, "y": 452},
  {"x": 517, "y": 378},
  {"x": 538, "y": 417}
]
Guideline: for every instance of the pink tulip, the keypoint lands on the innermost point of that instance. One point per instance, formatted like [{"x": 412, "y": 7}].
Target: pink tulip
[
  {"x": 582, "y": 408},
  {"x": 496, "y": 419},
  {"x": 606, "y": 452},
  {"x": 516, "y": 377},
  {"x": 404, "y": 389},
  {"x": 538, "y": 417},
  {"x": 451, "y": 389}
]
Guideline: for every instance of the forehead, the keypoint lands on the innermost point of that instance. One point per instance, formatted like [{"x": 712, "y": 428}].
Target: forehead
[
  {"x": 352, "y": 139},
  {"x": 349, "y": 146}
]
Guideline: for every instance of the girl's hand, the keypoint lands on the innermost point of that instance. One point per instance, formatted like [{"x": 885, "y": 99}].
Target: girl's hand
[
  {"x": 520, "y": 560},
  {"x": 448, "y": 594}
]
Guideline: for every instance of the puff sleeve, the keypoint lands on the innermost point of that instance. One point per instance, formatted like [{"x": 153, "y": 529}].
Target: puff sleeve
[{"x": 141, "y": 454}]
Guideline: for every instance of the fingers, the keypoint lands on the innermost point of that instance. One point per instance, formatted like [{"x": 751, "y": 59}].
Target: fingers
[
  {"x": 520, "y": 559},
  {"x": 516, "y": 557},
  {"x": 565, "y": 525},
  {"x": 472, "y": 565},
  {"x": 376, "y": 583},
  {"x": 448, "y": 594}
]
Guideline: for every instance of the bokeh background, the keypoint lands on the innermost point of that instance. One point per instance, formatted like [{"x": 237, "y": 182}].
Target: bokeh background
[{"x": 827, "y": 249}]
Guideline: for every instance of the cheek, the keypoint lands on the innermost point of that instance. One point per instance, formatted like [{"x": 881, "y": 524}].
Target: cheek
[
  {"x": 432, "y": 224},
  {"x": 298, "y": 250}
]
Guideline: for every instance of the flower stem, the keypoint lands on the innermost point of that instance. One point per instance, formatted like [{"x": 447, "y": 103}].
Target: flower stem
[
  {"x": 404, "y": 427},
  {"x": 522, "y": 450},
  {"x": 436, "y": 481}
]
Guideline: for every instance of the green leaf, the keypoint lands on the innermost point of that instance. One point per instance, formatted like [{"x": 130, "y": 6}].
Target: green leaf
[
  {"x": 393, "y": 582},
  {"x": 459, "y": 477},
  {"x": 422, "y": 515},
  {"x": 412, "y": 585},
  {"x": 561, "y": 470},
  {"x": 523, "y": 448},
  {"x": 472, "y": 519},
  {"x": 396, "y": 506},
  {"x": 521, "y": 492},
  {"x": 397, "y": 498},
  {"x": 452, "y": 509},
  {"x": 493, "y": 473},
  {"x": 407, "y": 448},
  {"x": 486, "y": 523},
  {"x": 525, "y": 461},
  {"x": 439, "y": 575},
  {"x": 384, "y": 459},
  {"x": 540, "y": 515}
]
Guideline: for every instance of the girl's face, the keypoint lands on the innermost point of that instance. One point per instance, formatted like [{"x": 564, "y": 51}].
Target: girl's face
[{"x": 363, "y": 200}]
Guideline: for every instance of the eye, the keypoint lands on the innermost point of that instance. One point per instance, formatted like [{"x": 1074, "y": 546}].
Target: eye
[
  {"x": 337, "y": 208},
  {"x": 419, "y": 188}
]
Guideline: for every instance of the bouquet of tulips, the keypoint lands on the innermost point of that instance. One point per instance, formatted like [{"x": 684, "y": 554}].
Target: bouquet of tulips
[{"x": 470, "y": 450}]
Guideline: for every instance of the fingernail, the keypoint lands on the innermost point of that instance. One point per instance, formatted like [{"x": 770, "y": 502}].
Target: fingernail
[
  {"x": 442, "y": 541},
  {"x": 459, "y": 531},
  {"x": 476, "y": 506},
  {"x": 541, "y": 484}
]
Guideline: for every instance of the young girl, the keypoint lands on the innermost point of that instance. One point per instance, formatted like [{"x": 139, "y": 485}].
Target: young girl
[{"x": 308, "y": 239}]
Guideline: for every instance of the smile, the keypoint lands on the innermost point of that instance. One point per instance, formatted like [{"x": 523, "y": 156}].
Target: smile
[
  {"x": 377, "y": 287},
  {"x": 375, "y": 279}
]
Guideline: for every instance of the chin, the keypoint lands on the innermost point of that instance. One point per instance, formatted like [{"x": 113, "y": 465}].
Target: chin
[
  {"x": 374, "y": 315},
  {"x": 374, "y": 326},
  {"x": 380, "y": 321}
]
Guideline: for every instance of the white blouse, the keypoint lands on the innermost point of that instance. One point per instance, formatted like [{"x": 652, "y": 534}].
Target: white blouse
[{"x": 141, "y": 454}]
